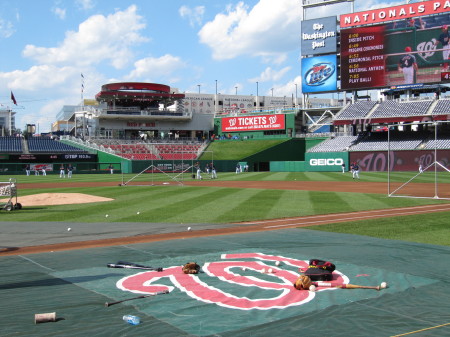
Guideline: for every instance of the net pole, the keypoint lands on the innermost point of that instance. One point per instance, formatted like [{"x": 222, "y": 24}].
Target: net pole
[
  {"x": 435, "y": 161},
  {"x": 389, "y": 160}
]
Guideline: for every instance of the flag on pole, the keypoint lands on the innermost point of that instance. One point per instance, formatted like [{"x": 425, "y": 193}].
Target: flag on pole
[{"x": 13, "y": 98}]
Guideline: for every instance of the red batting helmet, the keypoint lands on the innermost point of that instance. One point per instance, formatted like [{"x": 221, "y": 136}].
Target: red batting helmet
[{"x": 408, "y": 49}]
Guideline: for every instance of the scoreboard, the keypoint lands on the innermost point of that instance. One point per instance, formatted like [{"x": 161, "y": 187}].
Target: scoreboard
[{"x": 362, "y": 57}]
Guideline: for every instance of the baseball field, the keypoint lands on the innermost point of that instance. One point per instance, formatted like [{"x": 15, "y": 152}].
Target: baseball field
[{"x": 55, "y": 249}]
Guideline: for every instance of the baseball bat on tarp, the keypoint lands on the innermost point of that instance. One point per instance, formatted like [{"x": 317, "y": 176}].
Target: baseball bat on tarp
[
  {"x": 108, "y": 304},
  {"x": 129, "y": 265}
]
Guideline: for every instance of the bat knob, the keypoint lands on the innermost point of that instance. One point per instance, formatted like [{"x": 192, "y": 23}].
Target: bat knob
[{"x": 106, "y": 304}]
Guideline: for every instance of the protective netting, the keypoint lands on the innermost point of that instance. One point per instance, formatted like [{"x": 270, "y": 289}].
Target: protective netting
[{"x": 76, "y": 284}]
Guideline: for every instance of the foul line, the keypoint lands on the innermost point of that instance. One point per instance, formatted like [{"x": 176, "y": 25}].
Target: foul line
[
  {"x": 338, "y": 214},
  {"x": 355, "y": 217},
  {"x": 433, "y": 327}
]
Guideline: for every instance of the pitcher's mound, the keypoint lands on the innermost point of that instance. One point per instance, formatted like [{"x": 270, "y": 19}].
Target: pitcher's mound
[{"x": 46, "y": 199}]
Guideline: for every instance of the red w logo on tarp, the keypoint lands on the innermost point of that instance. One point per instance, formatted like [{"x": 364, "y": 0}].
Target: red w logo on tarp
[{"x": 238, "y": 274}]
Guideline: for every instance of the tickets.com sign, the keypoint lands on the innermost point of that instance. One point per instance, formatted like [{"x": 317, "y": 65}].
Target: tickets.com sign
[{"x": 253, "y": 123}]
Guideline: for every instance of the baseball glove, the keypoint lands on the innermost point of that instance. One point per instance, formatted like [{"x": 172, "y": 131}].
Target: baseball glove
[
  {"x": 191, "y": 268},
  {"x": 302, "y": 283}
]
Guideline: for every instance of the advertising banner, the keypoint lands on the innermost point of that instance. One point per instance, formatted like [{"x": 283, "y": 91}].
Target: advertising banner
[
  {"x": 379, "y": 161},
  {"x": 401, "y": 12},
  {"x": 253, "y": 123},
  {"x": 319, "y": 36},
  {"x": 319, "y": 74},
  {"x": 326, "y": 161}
]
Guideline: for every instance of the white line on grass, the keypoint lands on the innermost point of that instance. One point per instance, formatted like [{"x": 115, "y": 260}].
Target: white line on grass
[
  {"x": 356, "y": 217},
  {"x": 338, "y": 214}
]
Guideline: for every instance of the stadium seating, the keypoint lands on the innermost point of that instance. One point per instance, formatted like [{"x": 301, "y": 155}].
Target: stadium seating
[
  {"x": 442, "y": 107},
  {"x": 10, "y": 144},
  {"x": 138, "y": 150},
  {"x": 388, "y": 109},
  {"x": 356, "y": 110},
  {"x": 337, "y": 144},
  {"x": 47, "y": 145}
]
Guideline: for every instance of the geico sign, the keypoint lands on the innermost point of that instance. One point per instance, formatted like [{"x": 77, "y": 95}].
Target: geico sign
[{"x": 326, "y": 162}]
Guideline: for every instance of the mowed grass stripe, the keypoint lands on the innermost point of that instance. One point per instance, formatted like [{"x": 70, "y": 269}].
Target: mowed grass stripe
[
  {"x": 245, "y": 205},
  {"x": 198, "y": 207},
  {"x": 290, "y": 204}
]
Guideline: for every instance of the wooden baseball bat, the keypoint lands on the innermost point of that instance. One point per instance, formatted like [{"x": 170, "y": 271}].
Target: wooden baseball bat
[
  {"x": 355, "y": 286},
  {"x": 131, "y": 266},
  {"x": 108, "y": 304},
  {"x": 344, "y": 286}
]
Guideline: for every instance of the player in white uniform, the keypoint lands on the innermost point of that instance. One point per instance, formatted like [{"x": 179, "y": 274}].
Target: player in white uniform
[{"x": 408, "y": 65}]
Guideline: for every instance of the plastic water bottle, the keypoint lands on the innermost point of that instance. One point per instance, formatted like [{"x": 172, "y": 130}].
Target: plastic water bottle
[{"x": 133, "y": 320}]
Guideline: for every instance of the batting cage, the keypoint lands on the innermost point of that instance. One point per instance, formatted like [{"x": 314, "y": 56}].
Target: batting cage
[
  {"x": 182, "y": 166},
  {"x": 429, "y": 161},
  {"x": 244, "y": 287}
]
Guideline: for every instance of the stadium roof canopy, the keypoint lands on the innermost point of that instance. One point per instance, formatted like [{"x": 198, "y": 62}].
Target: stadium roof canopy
[{"x": 416, "y": 89}]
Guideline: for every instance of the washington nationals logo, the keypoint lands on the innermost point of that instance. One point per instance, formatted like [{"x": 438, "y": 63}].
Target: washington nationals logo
[
  {"x": 276, "y": 293},
  {"x": 232, "y": 122},
  {"x": 272, "y": 119}
]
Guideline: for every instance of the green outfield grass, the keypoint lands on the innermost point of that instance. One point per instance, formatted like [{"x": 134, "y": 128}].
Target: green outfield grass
[
  {"x": 234, "y": 149},
  {"x": 195, "y": 204}
]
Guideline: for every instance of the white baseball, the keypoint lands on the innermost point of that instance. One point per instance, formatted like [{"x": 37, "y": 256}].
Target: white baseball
[
  {"x": 189, "y": 228},
  {"x": 263, "y": 270},
  {"x": 69, "y": 229},
  {"x": 270, "y": 270},
  {"x": 138, "y": 213},
  {"x": 244, "y": 269},
  {"x": 277, "y": 263},
  {"x": 106, "y": 215},
  {"x": 312, "y": 287},
  {"x": 383, "y": 285}
]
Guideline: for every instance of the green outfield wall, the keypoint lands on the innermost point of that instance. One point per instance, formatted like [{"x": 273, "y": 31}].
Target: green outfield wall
[{"x": 287, "y": 166}]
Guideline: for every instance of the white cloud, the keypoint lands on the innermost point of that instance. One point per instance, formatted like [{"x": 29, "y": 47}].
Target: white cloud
[
  {"x": 85, "y": 4},
  {"x": 195, "y": 15},
  {"x": 6, "y": 28},
  {"x": 38, "y": 77},
  {"x": 269, "y": 29},
  {"x": 98, "y": 38},
  {"x": 288, "y": 88},
  {"x": 151, "y": 67},
  {"x": 270, "y": 74},
  {"x": 59, "y": 12}
]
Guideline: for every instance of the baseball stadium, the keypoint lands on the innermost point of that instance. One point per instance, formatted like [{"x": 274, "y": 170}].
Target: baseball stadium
[{"x": 216, "y": 215}]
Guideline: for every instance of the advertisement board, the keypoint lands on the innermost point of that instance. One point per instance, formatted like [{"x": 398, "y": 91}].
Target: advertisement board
[
  {"x": 401, "y": 12},
  {"x": 378, "y": 161},
  {"x": 326, "y": 161},
  {"x": 253, "y": 123},
  {"x": 396, "y": 53},
  {"x": 319, "y": 36},
  {"x": 319, "y": 74}
]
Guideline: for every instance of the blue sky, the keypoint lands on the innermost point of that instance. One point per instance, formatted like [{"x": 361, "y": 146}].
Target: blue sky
[{"x": 46, "y": 45}]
